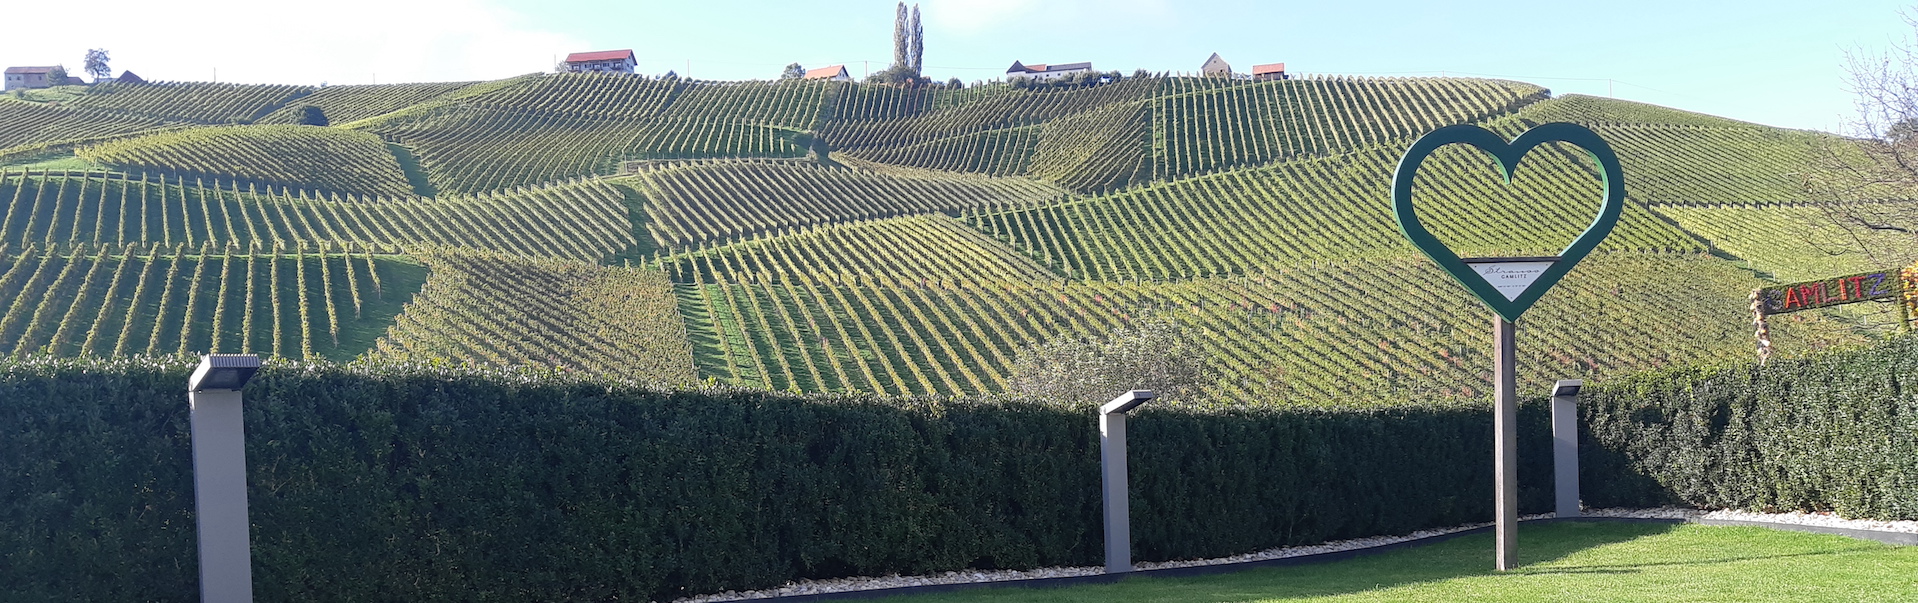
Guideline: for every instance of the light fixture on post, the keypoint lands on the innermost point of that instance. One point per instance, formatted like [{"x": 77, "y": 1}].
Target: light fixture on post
[
  {"x": 1112, "y": 474},
  {"x": 219, "y": 476},
  {"x": 1565, "y": 445}
]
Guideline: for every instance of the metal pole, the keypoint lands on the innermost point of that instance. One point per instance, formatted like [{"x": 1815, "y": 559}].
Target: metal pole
[
  {"x": 1118, "y": 528},
  {"x": 1112, "y": 477},
  {"x": 1505, "y": 447},
  {"x": 1565, "y": 448},
  {"x": 219, "y": 496}
]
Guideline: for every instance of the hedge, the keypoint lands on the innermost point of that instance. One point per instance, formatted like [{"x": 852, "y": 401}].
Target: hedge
[
  {"x": 426, "y": 483},
  {"x": 1836, "y": 432},
  {"x": 435, "y": 483}
]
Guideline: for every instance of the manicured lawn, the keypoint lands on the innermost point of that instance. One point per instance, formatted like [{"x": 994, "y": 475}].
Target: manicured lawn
[{"x": 1562, "y": 562}]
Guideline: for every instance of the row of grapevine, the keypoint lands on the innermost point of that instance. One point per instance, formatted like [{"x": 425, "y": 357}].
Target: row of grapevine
[
  {"x": 582, "y": 220},
  {"x": 695, "y": 202},
  {"x": 1104, "y": 149},
  {"x": 1004, "y": 152},
  {"x": 117, "y": 300},
  {"x": 1203, "y": 126},
  {"x": 859, "y": 128},
  {"x": 604, "y": 95},
  {"x": 492, "y": 309},
  {"x": 1319, "y": 209},
  {"x": 1371, "y": 332},
  {"x": 343, "y": 104},
  {"x": 24, "y": 123},
  {"x": 921, "y": 248},
  {"x": 1797, "y": 242},
  {"x": 307, "y": 157},
  {"x": 197, "y": 102},
  {"x": 1689, "y": 164},
  {"x": 790, "y": 104}
]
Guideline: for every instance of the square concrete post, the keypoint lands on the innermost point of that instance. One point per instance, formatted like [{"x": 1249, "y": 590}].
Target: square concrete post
[
  {"x": 219, "y": 497},
  {"x": 1565, "y": 446},
  {"x": 1113, "y": 479}
]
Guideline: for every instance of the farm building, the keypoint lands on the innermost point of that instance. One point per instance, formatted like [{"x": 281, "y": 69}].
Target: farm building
[
  {"x": 1216, "y": 67},
  {"x": 600, "y": 61},
  {"x": 1045, "y": 72},
  {"x": 28, "y": 77},
  {"x": 835, "y": 73},
  {"x": 1269, "y": 72},
  {"x": 128, "y": 77}
]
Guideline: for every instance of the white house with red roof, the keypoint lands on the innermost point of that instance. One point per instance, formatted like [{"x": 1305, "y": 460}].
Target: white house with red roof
[
  {"x": 835, "y": 73},
  {"x": 19, "y": 78},
  {"x": 600, "y": 61},
  {"x": 1045, "y": 72}
]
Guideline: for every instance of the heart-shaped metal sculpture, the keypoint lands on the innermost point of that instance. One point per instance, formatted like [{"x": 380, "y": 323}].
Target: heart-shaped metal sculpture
[{"x": 1508, "y": 156}]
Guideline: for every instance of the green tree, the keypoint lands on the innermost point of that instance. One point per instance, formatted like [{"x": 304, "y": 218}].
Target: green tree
[
  {"x": 58, "y": 77},
  {"x": 917, "y": 46},
  {"x": 1154, "y": 354},
  {"x": 97, "y": 64},
  {"x": 901, "y": 39},
  {"x": 313, "y": 116},
  {"x": 793, "y": 72}
]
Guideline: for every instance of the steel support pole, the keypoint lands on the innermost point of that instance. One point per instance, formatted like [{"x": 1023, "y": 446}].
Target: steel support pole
[
  {"x": 1505, "y": 447},
  {"x": 1118, "y": 523},
  {"x": 219, "y": 496},
  {"x": 1565, "y": 454}
]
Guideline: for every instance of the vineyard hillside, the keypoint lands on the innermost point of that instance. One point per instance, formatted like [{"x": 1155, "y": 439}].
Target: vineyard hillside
[{"x": 834, "y": 236}]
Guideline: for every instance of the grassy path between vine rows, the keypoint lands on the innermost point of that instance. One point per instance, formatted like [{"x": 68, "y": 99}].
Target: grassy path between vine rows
[{"x": 1561, "y": 562}]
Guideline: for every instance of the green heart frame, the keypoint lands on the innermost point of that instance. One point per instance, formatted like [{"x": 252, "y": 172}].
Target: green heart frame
[{"x": 1508, "y": 155}]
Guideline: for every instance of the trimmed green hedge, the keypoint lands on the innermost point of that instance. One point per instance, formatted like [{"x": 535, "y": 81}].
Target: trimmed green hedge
[
  {"x": 445, "y": 484},
  {"x": 430, "y": 483},
  {"x": 1838, "y": 432}
]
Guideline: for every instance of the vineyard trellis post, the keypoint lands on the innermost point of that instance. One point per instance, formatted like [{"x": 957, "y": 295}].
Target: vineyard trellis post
[{"x": 1508, "y": 286}]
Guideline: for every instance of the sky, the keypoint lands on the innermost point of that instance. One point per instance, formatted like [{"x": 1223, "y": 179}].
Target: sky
[{"x": 1765, "y": 61}]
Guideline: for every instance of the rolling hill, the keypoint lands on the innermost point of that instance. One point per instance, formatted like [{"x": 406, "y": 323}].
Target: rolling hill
[{"x": 816, "y": 236}]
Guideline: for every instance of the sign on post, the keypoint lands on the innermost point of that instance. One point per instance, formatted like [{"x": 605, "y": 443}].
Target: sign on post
[
  {"x": 1889, "y": 284},
  {"x": 1508, "y": 286}
]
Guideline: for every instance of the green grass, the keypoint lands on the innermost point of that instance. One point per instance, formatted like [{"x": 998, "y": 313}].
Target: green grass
[{"x": 1561, "y": 562}]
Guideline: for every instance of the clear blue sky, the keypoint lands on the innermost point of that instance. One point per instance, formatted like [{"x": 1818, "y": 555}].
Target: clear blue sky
[{"x": 1771, "y": 62}]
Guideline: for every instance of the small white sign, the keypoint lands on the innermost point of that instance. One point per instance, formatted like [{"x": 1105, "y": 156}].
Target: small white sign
[{"x": 1513, "y": 277}]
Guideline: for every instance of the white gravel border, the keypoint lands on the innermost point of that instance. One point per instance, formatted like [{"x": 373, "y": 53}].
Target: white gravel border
[{"x": 839, "y": 585}]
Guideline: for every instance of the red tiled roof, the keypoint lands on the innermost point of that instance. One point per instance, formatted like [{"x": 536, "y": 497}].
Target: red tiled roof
[
  {"x": 1268, "y": 68},
  {"x": 599, "y": 55},
  {"x": 30, "y": 69},
  {"x": 826, "y": 72}
]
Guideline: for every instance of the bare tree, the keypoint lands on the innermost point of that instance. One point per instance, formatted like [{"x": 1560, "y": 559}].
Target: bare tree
[{"x": 1865, "y": 182}]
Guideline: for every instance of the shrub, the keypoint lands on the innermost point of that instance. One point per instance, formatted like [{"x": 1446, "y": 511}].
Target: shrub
[{"x": 450, "y": 484}]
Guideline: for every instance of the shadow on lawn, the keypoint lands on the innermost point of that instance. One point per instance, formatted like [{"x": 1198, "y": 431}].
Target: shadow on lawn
[{"x": 1457, "y": 558}]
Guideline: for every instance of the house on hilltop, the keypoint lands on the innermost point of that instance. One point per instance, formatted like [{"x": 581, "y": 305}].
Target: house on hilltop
[
  {"x": 600, "y": 61},
  {"x": 1045, "y": 72},
  {"x": 1216, "y": 67},
  {"x": 23, "y": 78},
  {"x": 835, "y": 73},
  {"x": 1269, "y": 72},
  {"x": 128, "y": 77}
]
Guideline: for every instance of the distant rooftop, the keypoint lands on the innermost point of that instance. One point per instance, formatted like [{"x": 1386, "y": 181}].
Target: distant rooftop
[
  {"x": 599, "y": 55},
  {"x": 826, "y": 72},
  {"x": 16, "y": 70},
  {"x": 1268, "y": 68}
]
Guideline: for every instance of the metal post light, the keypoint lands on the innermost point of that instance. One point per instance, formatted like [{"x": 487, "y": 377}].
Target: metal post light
[
  {"x": 1112, "y": 460},
  {"x": 1565, "y": 445},
  {"x": 219, "y": 476}
]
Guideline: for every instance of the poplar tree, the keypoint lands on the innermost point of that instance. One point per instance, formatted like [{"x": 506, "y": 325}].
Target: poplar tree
[
  {"x": 918, "y": 43},
  {"x": 901, "y": 40}
]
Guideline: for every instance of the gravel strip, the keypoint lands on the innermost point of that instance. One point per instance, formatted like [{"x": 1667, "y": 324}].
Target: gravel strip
[{"x": 838, "y": 585}]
